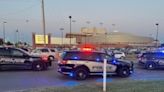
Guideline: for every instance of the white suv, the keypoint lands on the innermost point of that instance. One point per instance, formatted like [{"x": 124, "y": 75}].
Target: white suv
[
  {"x": 119, "y": 55},
  {"x": 48, "y": 52}
]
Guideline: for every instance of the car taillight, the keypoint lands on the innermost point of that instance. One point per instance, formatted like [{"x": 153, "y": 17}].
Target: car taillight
[
  {"x": 63, "y": 62},
  {"x": 44, "y": 58}
]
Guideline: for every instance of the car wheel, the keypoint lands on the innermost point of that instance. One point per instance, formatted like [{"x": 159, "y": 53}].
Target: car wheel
[
  {"x": 81, "y": 74},
  {"x": 150, "y": 66},
  {"x": 124, "y": 72},
  {"x": 51, "y": 58},
  {"x": 37, "y": 66}
]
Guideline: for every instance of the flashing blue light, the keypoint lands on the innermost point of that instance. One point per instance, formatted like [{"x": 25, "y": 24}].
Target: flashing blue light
[
  {"x": 71, "y": 74},
  {"x": 75, "y": 57},
  {"x": 97, "y": 59},
  {"x": 162, "y": 51},
  {"x": 114, "y": 61}
]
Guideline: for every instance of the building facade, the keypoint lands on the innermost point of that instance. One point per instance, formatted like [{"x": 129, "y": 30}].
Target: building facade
[{"x": 96, "y": 36}]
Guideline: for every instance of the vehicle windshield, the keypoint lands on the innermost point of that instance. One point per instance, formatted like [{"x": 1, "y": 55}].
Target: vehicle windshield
[
  {"x": 25, "y": 52},
  {"x": 153, "y": 55}
]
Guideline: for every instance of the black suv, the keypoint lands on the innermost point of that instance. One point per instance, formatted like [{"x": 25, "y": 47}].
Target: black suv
[
  {"x": 14, "y": 58},
  {"x": 152, "y": 60},
  {"x": 81, "y": 64}
]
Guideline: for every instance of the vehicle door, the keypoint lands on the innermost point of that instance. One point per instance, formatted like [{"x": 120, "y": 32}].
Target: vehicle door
[
  {"x": 161, "y": 59},
  {"x": 110, "y": 66},
  {"x": 18, "y": 57},
  {"x": 94, "y": 62},
  {"x": 5, "y": 57}
]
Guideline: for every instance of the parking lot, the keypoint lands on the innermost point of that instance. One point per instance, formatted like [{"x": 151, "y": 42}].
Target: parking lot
[{"x": 25, "y": 79}]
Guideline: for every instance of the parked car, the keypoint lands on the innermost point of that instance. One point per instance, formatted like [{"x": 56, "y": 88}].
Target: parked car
[
  {"x": 16, "y": 58},
  {"x": 81, "y": 64},
  {"x": 50, "y": 53},
  {"x": 119, "y": 55}
]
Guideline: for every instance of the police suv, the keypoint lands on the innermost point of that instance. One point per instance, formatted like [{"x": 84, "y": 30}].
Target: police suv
[
  {"x": 14, "y": 58},
  {"x": 152, "y": 60},
  {"x": 81, "y": 64}
]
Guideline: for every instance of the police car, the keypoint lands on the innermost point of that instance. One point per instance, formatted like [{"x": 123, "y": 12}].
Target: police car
[
  {"x": 81, "y": 64},
  {"x": 14, "y": 58},
  {"x": 152, "y": 60}
]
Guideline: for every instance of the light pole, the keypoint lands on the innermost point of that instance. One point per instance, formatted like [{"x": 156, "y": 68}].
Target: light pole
[
  {"x": 4, "y": 33},
  {"x": 17, "y": 36},
  {"x": 73, "y": 21},
  {"x": 101, "y": 24},
  {"x": 85, "y": 33},
  {"x": 44, "y": 25},
  {"x": 88, "y": 22},
  {"x": 114, "y": 29},
  {"x": 157, "y": 34},
  {"x": 62, "y": 34},
  {"x": 70, "y": 29}
]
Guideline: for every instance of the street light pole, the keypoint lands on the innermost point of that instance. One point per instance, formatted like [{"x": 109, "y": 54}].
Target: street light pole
[
  {"x": 62, "y": 34},
  {"x": 44, "y": 25},
  {"x": 101, "y": 24},
  {"x": 70, "y": 29},
  {"x": 17, "y": 36},
  {"x": 4, "y": 33},
  {"x": 86, "y": 38},
  {"x": 157, "y": 35},
  {"x": 114, "y": 29}
]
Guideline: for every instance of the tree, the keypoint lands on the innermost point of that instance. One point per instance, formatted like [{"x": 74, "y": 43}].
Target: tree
[
  {"x": 9, "y": 43},
  {"x": 1, "y": 41}
]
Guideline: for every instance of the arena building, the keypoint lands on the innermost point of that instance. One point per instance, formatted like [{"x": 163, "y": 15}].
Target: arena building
[
  {"x": 96, "y": 36},
  {"x": 102, "y": 38}
]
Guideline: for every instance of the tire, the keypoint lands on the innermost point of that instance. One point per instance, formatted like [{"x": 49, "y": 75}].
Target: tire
[
  {"x": 150, "y": 66},
  {"x": 81, "y": 74},
  {"x": 38, "y": 66},
  {"x": 123, "y": 72},
  {"x": 51, "y": 58}
]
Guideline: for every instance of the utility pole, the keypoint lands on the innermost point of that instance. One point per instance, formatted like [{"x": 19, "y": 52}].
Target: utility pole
[{"x": 44, "y": 24}]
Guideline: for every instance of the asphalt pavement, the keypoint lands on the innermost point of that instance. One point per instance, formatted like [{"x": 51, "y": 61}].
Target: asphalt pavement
[{"x": 11, "y": 80}]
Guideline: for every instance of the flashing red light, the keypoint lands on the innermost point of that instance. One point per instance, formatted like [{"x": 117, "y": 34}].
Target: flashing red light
[{"x": 86, "y": 49}]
